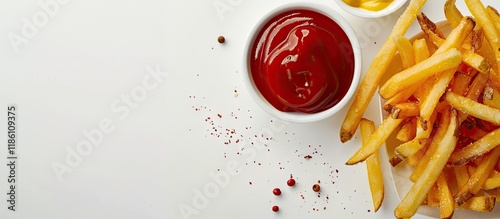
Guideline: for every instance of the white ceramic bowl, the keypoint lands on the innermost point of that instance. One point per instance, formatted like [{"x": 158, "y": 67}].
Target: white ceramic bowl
[
  {"x": 397, "y": 4},
  {"x": 298, "y": 116}
]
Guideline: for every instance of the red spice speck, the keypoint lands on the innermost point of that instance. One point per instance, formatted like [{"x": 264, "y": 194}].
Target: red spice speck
[
  {"x": 219, "y": 115},
  {"x": 276, "y": 208},
  {"x": 276, "y": 191},
  {"x": 290, "y": 182},
  {"x": 307, "y": 157}
]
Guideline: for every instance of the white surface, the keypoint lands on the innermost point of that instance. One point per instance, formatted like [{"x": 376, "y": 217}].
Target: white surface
[{"x": 72, "y": 73}]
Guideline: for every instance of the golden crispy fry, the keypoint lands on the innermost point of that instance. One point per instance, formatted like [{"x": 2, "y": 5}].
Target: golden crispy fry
[
  {"x": 405, "y": 110},
  {"x": 475, "y": 90},
  {"x": 405, "y": 50},
  {"x": 430, "y": 29},
  {"x": 440, "y": 133},
  {"x": 375, "y": 72},
  {"x": 410, "y": 203},
  {"x": 409, "y": 148},
  {"x": 477, "y": 62},
  {"x": 478, "y": 177},
  {"x": 446, "y": 201},
  {"x": 491, "y": 97},
  {"x": 454, "y": 40},
  {"x": 408, "y": 130},
  {"x": 484, "y": 20},
  {"x": 476, "y": 149},
  {"x": 453, "y": 15},
  {"x": 480, "y": 203},
  {"x": 421, "y": 50},
  {"x": 462, "y": 175},
  {"x": 415, "y": 158},
  {"x": 461, "y": 83},
  {"x": 473, "y": 108},
  {"x": 492, "y": 183},
  {"x": 431, "y": 66},
  {"x": 373, "y": 166},
  {"x": 495, "y": 17},
  {"x": 375, "y": 141},
  {"x": 433, "y": 196}
]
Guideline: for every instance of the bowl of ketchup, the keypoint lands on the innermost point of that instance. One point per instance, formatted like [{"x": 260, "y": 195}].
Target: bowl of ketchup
[{"x": 303, "y": 62}]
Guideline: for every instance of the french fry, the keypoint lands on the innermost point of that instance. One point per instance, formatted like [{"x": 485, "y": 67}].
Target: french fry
[
  {"x": 478, "y": 177},
  {"x": 433, "y": 196},
  {"x": 475, "y": 90},
  {"x": 491, "y": 97},
  {"x": 430, "y": 29},
  {"x": 405, "y": 110},
  {"x": 461, "y": 83},
  {"x": 446, "y": 201},
  {"x": 408, "y": 131},
  {"x": 442, "y": 97},
  {"x": 495, "y": 17},
  {"x": 476, "y": 149},
  {"x": 491, "y": 183},
  {"x": 480, "y": 203},
  {"x": 484, "y": 20},
  {"x": 440, "y": 133},
  {"x": 453, "y": 15},
  {"x": 431, "y": 66},
  {"x": 454, "y": 40},
  {"x": 415, "y": 158},
  {"x": 375, "y": 140},
  {"x": 462, "y": 175},
  {"x": 473, "y": 108},
  {"x": 372, "y": 78},
  {"x": 409, "y": 148},
  {"x": 405, "y": 50},
  {"x": 410, "y": 203},
  {"x": 476, "y": 61},
  {"x": 373, "y": 166},
  {"x": 421, "y": 50}
]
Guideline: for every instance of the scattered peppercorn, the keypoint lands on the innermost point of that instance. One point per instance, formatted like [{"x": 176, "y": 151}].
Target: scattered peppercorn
[
  {"x": 290, "y": 182},
  {"x": 276, "y": 191},
  {"x": 276, "y": 208},
  {"x": 316, "y": 187},
  {"x": 221, "y": 39}
]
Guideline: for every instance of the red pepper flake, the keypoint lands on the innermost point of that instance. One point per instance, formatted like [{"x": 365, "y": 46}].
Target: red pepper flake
[
  {"x": 219, "y": 115},
  {"x": 276, "y": 208},
  {"x": 307, "y": 157},
  {"x": 276, "y": 191}
]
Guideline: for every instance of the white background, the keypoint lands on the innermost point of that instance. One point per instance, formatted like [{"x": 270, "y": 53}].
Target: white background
[{"x": 73, "y": 71}]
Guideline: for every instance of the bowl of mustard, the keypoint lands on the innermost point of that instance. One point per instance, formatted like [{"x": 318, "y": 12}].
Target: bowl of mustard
[{"x": 370, "y": 8}]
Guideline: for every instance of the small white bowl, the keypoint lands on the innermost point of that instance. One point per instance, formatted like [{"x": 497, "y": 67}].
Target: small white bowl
[
  {"x": 300, "y": 117},
  {"x": 396, "y": 4}
]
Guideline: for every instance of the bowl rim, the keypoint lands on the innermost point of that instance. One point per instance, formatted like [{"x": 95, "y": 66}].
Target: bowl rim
[
  {"x": 299, "y": 117},
  {"x": 396, "y": 5}
]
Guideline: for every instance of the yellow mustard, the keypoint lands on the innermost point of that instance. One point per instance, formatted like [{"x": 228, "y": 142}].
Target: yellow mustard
[{"x": 372, "y": 5}]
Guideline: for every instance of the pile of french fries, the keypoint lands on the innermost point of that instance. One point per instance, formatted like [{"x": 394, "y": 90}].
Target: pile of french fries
[{"x": 442, "y": 98}]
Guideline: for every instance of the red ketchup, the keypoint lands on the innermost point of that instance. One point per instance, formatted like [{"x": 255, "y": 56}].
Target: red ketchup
[{"x": 302, "y": 61}]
